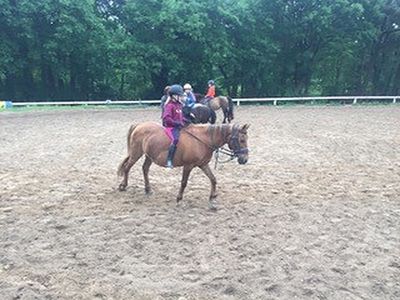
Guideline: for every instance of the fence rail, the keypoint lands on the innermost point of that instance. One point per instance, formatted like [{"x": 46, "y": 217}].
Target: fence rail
[
  {"x": 238, "y": 101},
  {"x": 354, "y": 99}
]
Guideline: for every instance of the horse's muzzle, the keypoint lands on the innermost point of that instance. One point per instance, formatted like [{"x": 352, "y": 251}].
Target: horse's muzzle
[
  {"x": 242, "y": 160},
  {"x": 242, "y": 155}
]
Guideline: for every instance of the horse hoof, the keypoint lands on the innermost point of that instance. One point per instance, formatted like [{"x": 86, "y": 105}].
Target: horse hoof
[
  {"x": 122, "y": 188},
  {"x": 212, "y": 206},
  {"x": 148, "y": 192}
]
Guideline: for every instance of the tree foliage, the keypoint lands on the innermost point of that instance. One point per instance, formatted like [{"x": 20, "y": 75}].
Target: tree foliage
[{"x": 130, "y": 49}]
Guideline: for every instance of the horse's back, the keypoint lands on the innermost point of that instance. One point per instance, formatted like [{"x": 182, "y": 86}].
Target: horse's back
[
  {"x": 148, "y": 126},
  {"x": 144, "y": 131}
]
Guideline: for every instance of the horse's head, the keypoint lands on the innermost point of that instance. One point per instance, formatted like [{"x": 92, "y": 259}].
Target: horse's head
[
  {"x": 198, "y": 97},
  {"x": 238, "y": 143}
]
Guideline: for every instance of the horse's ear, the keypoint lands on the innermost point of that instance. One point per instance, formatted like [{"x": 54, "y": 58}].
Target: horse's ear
[{"x": 245, "y": 127}]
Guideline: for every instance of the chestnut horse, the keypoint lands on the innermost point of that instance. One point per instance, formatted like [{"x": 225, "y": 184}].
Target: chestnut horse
[
  {"x": 223, "y": 102},
  {"x": 195, "y": 149}
]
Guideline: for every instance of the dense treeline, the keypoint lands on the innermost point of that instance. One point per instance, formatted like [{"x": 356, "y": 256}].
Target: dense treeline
[{"x": 129, "y": 49}]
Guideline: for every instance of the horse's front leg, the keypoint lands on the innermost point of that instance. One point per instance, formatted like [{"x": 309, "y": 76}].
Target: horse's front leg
[
  {"x": 185, "y": 177},
  {"x": 146, "y": 167},
  {"x": 213, "y": 195}
]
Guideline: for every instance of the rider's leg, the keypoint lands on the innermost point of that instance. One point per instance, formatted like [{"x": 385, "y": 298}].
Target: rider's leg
[{"x": 172, "y": 147}]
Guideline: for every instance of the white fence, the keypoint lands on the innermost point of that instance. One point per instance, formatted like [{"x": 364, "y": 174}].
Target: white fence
[
  {"x": 238, "y": 101},
  {"x": 353, "y": 99}
]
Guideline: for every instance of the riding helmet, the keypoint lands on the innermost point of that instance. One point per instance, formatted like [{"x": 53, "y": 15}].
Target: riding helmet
[
  {"x": 187, "y": 86},
  {"x": 211, "y": 82},
  {"x": 176, "y": 89}
]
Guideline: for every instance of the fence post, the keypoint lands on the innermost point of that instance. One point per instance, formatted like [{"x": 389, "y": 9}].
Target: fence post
[
  {"x": 238, "y": 102},
  {"x": 275, "y": 102},
  {"x": 394, "y": 100},
  {"x": 355, "y": 101}
]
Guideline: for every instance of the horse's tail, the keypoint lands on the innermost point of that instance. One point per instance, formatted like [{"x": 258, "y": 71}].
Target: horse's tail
[
  {"x": 230, "y": 105},
  {"x": 121, "y": 167},
  {"x": 131, "y": 129},
  {"x": 213, "y": 116}
]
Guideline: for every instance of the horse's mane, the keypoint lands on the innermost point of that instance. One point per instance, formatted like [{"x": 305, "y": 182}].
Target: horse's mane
[
  {"x": 212, "y": 129},
  {"x": 223, "y": 129}
]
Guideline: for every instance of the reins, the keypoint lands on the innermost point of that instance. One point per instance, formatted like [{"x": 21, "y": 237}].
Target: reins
[
  {"x": 204, "y": 143},
  {"x": 231, "y": 153}
]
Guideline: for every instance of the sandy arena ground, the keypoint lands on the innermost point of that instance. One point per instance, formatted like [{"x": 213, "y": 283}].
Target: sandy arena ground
[{"x": 315, "y": 214}]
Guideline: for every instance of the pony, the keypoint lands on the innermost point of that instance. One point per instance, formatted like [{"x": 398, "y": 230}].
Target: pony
[
  {"x": 201, "y": 114},
  {"x": 223, "y": 102},
  {"x": 195, "y": 149}
]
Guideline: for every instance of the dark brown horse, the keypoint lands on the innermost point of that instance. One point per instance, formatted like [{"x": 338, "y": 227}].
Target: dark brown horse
[
  {"x": 223, "y": 102},
  {"x": 202, "y": 114},
  {"x": 195, "y": 148},
  {"x": 198, "y": 114}
]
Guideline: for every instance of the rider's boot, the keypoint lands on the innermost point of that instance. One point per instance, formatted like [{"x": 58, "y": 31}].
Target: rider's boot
[{"x": 170, "y": 157}]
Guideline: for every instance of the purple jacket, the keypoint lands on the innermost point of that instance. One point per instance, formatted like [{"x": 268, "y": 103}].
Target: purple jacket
[{"x": 172, "y": 116}]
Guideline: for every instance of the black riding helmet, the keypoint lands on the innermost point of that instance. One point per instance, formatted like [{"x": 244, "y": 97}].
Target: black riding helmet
[{"x": 176, "y": 89}]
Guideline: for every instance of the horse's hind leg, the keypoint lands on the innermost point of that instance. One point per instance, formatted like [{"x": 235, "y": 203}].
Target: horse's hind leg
[
  {"x": 225, "y": 111},
  {"x": 125, "y": 167},
  {"x": 146, "y": 167},
  {"x": 213, "y": 195},
  {"x": 212, "y": 117}
]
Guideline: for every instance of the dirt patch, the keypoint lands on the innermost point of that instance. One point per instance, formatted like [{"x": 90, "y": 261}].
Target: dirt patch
[{"x": 314, "y": 214}]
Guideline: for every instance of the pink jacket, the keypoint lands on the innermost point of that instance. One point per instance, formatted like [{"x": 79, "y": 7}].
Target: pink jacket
[{"x": 172, "y": 116}]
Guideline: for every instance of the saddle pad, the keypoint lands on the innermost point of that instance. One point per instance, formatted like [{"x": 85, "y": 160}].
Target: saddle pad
[{"x": 168, "y": 132}]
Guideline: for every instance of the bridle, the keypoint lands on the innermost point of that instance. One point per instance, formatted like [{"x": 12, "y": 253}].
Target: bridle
[
  {"x": 237, "y": 150},
  {"x": 231, "y": 153}
]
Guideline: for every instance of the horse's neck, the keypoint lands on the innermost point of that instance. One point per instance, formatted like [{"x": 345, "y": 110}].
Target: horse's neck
[{"x": 219, "y": 134}]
